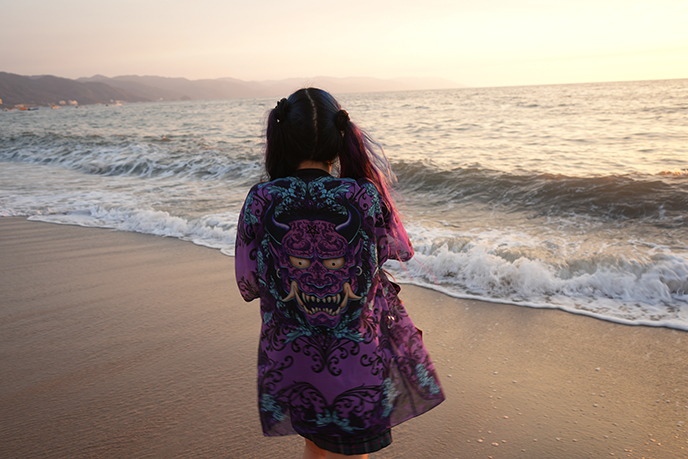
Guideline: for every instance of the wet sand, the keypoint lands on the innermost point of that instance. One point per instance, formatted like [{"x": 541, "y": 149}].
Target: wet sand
[{"x": 119, "y": 344}]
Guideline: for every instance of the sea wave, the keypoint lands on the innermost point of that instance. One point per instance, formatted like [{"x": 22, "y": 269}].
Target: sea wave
[
  {"x": 131, "y": 156},
  {"x": 642, "y": 283},
  {"x": 662, "y": 197}
]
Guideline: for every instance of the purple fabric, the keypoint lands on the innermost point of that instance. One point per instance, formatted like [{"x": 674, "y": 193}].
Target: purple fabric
[{"x": 338, "y": 353}]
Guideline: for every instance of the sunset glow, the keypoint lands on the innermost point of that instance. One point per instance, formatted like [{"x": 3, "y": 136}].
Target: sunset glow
[{"x": 488, "y": 43}]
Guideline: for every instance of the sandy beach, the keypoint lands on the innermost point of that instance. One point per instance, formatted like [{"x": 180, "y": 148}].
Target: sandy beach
[{"x": 116, "y": 344}]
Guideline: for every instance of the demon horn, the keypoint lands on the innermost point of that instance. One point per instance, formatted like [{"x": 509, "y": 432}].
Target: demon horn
[
  {"x": 276, "y": 229},
  {"x": 350, "y": 227}
]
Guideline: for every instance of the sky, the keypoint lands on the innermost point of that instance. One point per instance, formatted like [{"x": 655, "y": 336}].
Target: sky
[{"x": 471, "y": 42}]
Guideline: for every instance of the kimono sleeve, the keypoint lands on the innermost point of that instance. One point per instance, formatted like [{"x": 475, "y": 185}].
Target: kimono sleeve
[
  {"x": 245, "y": 251},
  {"x": 393, "y": 241}
]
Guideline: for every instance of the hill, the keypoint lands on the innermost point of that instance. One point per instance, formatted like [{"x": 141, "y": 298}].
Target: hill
[
  {"x": 49, "y": 90},
  {"x": 160, "y": 88}
]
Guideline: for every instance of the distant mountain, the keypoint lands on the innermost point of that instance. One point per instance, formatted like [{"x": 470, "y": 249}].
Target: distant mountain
[
  {"x": 161, "y": 88},
  {"x": 49, "y": 90}
]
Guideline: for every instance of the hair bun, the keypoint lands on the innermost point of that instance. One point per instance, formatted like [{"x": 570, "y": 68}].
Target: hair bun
[
  {"x": 281, "y": 110},
  {"x": 341, "y": 119}
]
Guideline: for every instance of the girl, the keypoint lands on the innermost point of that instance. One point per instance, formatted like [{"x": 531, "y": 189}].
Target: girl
[{"x": 340, "y": 361}]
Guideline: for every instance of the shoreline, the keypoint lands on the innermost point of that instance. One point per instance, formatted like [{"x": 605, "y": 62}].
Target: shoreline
[
  {"x": 117, "y": 344},
  {"x": 437, "y": 288},
  {"x": 579, "y": 312}
]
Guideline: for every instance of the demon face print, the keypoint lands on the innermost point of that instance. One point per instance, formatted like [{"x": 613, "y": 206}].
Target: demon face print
[{"x": 319, "y": 259}]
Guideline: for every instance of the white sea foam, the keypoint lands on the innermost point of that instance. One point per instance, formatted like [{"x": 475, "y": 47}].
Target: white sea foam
[
  {"x": 214, "y": 231},
  {"x": 648, "y": 288}
]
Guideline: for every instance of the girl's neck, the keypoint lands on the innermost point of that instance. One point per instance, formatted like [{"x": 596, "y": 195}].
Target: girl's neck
[{"x": 309, "y": 164}]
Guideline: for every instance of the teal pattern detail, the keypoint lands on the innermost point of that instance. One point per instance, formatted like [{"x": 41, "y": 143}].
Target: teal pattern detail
[
  {"x": 267, "y": 404},
  {"x": 375, "y": 207},
  {"x": 328, "y": 417},
  {"x": 390, "y": 395},
  {"x": 426, "y": 380}
]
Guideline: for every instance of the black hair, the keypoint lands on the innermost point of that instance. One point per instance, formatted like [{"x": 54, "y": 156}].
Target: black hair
[{"x": 311, "y": 125}]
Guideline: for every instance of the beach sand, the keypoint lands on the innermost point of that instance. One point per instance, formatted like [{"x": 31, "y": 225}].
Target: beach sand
[{"x": 118, "y": 344}]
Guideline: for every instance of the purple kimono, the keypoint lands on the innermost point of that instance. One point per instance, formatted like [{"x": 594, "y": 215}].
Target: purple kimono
[{"x": 338, "y": 353}]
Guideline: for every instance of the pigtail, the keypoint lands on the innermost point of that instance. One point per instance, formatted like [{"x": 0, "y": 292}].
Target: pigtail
[
  {"x": 274, "y": 142},
  {"x": 362, "y": 157},
  {"x": 279, "y": 140}
]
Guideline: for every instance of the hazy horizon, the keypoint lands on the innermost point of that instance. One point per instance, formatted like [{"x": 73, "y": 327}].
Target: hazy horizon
[
  {"x": 494, "y": 43},
  {"x": 310, "y": 79}
]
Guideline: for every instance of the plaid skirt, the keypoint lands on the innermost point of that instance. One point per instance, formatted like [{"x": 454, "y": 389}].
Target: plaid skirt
[{"x": 350, "y": 446}]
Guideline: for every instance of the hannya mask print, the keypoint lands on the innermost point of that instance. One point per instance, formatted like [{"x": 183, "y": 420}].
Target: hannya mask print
[{"x": 319, "y": 263}]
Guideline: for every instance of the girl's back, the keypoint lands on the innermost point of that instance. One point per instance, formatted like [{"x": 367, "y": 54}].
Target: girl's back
[{"x": 340, "y": 362}]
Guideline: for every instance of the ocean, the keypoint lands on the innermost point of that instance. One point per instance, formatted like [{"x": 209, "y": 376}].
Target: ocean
[{"x": 568, "y": 196}]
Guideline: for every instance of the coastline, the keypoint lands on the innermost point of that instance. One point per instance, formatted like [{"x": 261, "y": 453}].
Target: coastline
[{"x": 118, "y": 344}]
